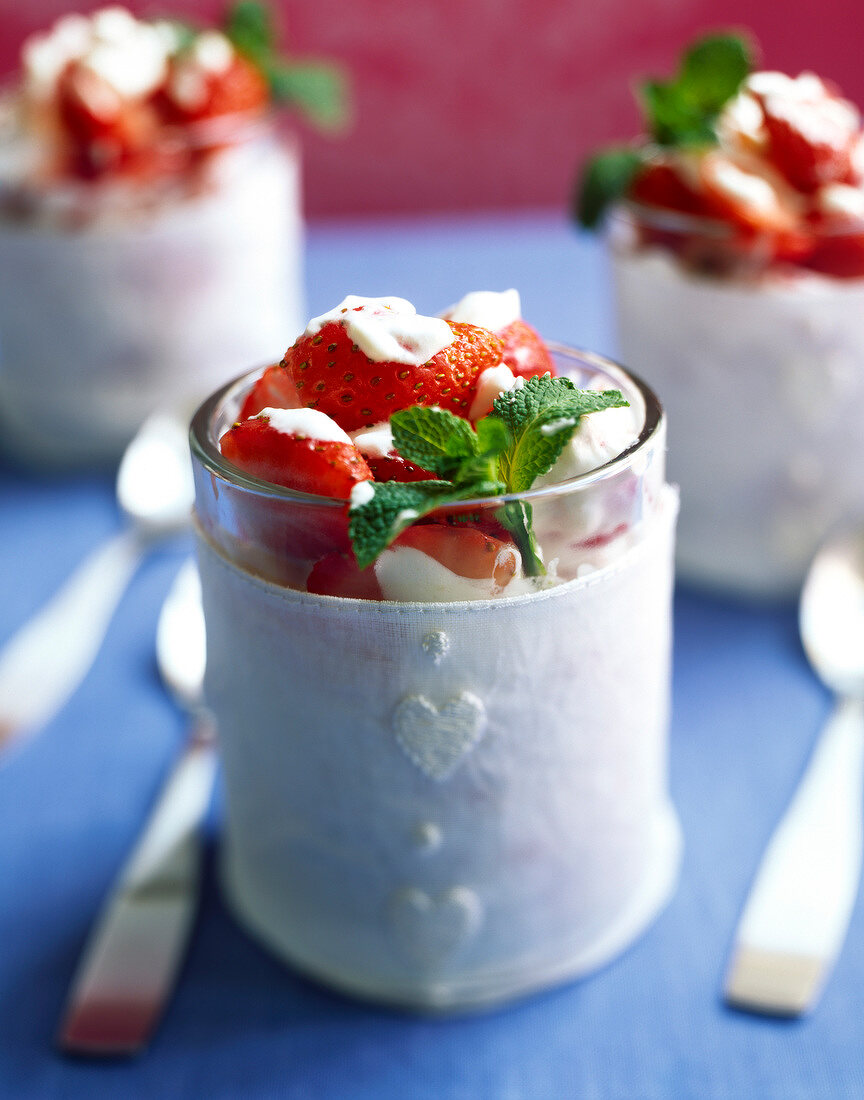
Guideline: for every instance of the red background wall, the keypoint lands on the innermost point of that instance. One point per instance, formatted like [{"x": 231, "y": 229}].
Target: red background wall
[{"x": 491, "y": 104}]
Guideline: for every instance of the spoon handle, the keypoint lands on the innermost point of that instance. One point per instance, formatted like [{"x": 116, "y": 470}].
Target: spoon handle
[
  {"x": 795, "y": 919},
  {"x": 43, "y": 664},
  {"x": 129, "y": 966}
]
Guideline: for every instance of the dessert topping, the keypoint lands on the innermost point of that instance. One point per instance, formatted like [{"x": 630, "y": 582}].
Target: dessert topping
[{"x": 335, "y": 373}]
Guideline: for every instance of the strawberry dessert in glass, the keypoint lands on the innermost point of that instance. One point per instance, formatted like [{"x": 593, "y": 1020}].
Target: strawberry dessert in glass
[
  {"x": 737, "y": 236},
  {"x": 150, "y": 223},
  {"x": 437, "y": 592}
]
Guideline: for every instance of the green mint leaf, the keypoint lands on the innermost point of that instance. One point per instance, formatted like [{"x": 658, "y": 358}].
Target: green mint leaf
[
  {"x": 683, "y": 112},
  {"x": 250, "y": 28},
  {"x": 317, "y": 89},
  {"x": 433, "y": 439},
  {"x": 714, "y": 68},
  {"x": 539, "y": 447},
  {"x": 672, "y": 120},
  {"x": 542, "y": 416},
  {"x": 493, "y": 437},
  {"x": 394, "y": 506},
  {"x": 606, "y": 178}
]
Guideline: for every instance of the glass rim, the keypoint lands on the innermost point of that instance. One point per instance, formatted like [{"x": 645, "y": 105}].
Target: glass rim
[
  {"x": 679, "y": 221},
  {"x": 205, "y": 449}
]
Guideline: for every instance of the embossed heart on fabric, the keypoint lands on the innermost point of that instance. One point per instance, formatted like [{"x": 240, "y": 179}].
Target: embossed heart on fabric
[
  {"x": 430, "y": 930},
  {"x": 437, "y": 740}
]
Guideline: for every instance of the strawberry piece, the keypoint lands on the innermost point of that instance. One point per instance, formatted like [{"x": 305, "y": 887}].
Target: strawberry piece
[
  {"x": 463, "y": 550},
  {"x": 746, "y": 198},
  {"x": 199, "y": 95},
  {"x": 810, "y": 142},
  {"x": 393, "y": 467},
  {"x": 273, "y": 390},
  {"x": 339, "y": 575},
  {"x": 525, "y": 351},
  {"x": 108, "y": 135},
  {"x": 328, "y": 468},
  {"x": 334, "y": 376},
  {"x": 661, "y": 184},
  {"x": 839, "y": 253}
]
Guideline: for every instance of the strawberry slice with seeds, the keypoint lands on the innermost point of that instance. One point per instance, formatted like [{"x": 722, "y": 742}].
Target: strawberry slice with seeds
[
  {"x": 525, "y": 351},
  {"x": 333, "y": 375},
  {"x": 465, "y": 551},
  {"x": 339, "y": 575},
  {"x": 299, "y": 449},
  {"x": 273, "y": 390}
]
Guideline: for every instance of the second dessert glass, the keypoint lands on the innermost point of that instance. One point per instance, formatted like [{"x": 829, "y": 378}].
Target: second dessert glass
[
  {"x": 120, "y": 297},
  {"x": 773, "y": 356}
]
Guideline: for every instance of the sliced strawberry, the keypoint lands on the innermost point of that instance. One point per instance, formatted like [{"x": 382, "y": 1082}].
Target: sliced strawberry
[
  {"x": 662, "y": 184},
  {"x": 810, "y": 142},
  {"x": 464, "y": 551},
  {"x": 339, "y": 575},
  {"x": 525, "y": 351},
  {"x": 109, "y": 135},
  {"x": 194, "y": 94},
  {"x": 333, "y": 375},
  {"x": 837, "y": 251},
  {"x": 393, "y": 467},
  {"x": 746, "y": 197},
  {"x": 325, "y": 467},
  {"x": 273, "y": 390}
]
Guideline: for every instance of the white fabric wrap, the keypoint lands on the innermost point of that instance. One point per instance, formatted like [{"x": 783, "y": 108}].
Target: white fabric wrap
[{"x": 446, "y": 805}]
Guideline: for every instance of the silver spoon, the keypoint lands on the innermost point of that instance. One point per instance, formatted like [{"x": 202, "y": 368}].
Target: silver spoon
[
  {"x": 795, "y": 920},
  {"x": 130, "y": 964},
  {"x": 43, "y": 664}
]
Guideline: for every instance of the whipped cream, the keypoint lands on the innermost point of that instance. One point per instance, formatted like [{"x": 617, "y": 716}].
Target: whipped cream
[
  {"x": 129, "y": 55},
  {"x": 491, "y": 383},
  {"x": 387, "y": 330},
  {"x": 306, "y": 423},
  {"x": 489, "y": 309},
  {"x": 410, "y": 576},
  {"x": 374, "y": 442}
]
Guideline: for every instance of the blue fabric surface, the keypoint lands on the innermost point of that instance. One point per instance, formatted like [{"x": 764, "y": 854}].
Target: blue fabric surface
[{"x": 746, "y": 713}]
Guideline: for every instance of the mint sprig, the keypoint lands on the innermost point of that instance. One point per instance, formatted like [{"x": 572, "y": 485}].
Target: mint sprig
[
  {"x": 318, "y": 90},
  {"x": 683, "y": 111},
  {"x": 678, "y": 113},
  {"x": 521, "y": 439}
]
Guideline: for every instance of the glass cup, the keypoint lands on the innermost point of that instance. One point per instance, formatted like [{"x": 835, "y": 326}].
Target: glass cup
[
  {"x": 118, "y": 297},
  {"x": 761, "y": 366},
  {"x": 449, "y": 804}
]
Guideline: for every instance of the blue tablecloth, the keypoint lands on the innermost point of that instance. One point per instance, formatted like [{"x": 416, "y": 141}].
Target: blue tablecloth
[{"x": 652, "y": 1024}]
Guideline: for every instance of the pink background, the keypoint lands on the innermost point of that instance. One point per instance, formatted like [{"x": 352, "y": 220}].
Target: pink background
[{"x": 491, "y": 104}]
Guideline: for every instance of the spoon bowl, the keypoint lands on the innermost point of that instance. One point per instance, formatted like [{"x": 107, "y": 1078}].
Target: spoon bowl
[
  {"x": 831, "y": 613},
  {"x": 56, "y": 648}
]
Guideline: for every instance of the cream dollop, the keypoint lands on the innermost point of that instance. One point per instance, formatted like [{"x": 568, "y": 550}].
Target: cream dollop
[
  {"x": 388, "y": 330},
  {"x": 306, "y": 423},
  {"x": 489, "y": 309}
]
